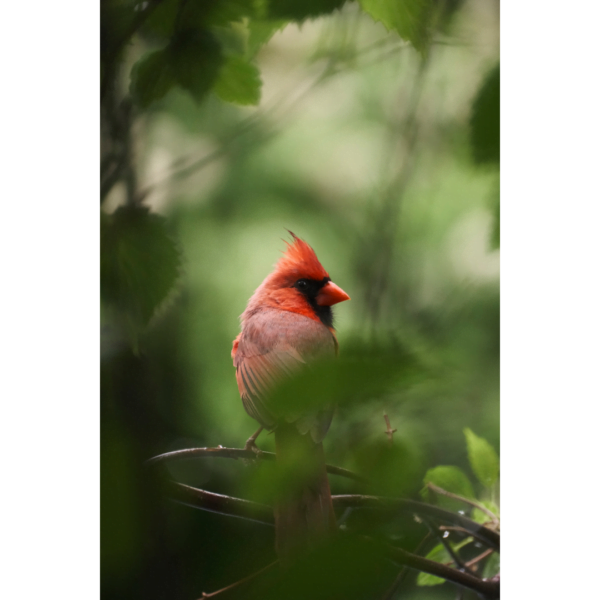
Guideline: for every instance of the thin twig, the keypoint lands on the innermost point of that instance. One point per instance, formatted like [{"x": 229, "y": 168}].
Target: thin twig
[
  {"x": 236, "y": 453},
  {"x": 389, "y": 431},
  {"x": 477, "y": 505},
  {"x": 451, "y": 528},
  {"x": 240, "y": 582},
  {"x": 449, "y": 549},
  {"x": 479, "y": 558}
]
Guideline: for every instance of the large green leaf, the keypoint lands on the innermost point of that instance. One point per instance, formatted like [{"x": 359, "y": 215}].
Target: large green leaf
[
  {"x": 196, "y": 59},
  {"x": 438, "y": 554},
  {"x": 492, "y": 566},
  {"x": 238, "y": 82},
  {"x": 453, "y": 480},
  {"x": 192, "y": 60},
  {"x": 480, "y": 516},
  {"x": 151, "y": 78},
  {"x": 411, "y": 19},
  {"x": 485, "y": 120},
  {"x": 139, "y": 264},
  {"x": 357, "y": 375},
  {"x": 483, "y": 458},
  {"x": 260, "y": 32},
  {"x": 299, "y": 10}
]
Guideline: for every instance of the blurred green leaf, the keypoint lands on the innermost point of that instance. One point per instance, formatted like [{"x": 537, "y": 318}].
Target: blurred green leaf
[
  {"x": 492, "y": 566},
  {"x": 151, "y": 78},
  {"x": 139, "y": 263},
  {"x": 238, "y": 82},
  {"x": 192, "y": 60},
  {"x": 483, "y": 458},
  {"x": 299, "y": 10},
  {"x": 409, "y": 18},
  {"x": 260, "y": 32},
  {"x": 450, "y": 478},
  {"x": 233, "y": 38},
  {"x": 357, "y": 376},
  {"x": 229, "y": 11},
  {"x": 481, "y": 517},
  {"x": 438, "y": 554},
  {"x": 196, "y": 59},
  {"x": 392, "y": 470},
  {"x": 160, "y": 23},
  {"x": 486, "y": 121}
]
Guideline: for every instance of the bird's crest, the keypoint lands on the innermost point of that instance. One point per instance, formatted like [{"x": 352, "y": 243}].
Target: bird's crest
[{"x": 300, "y": 260}]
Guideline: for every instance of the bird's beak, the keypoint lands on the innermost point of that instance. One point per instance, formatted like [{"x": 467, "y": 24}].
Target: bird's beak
[{"x": 331, "y": 294}]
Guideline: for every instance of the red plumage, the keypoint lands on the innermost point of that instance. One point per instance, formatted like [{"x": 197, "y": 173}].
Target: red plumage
[{"x": 287, "y": 323}]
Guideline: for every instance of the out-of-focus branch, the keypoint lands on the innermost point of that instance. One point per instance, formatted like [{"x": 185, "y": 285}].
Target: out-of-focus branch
[
  {"x": 219, "y": 503},
  {"x": 483, "y": 534},
  {"x": 487, "y": 589},
  {"x": 262, "y": 513},
  {"x": 391, "y": 592},
  {"x": 236, "y": 453},
  {"x": 240, "y": 582}
]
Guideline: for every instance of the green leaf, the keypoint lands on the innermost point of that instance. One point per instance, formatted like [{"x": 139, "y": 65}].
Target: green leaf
[
  {"x": 481, "y": 517},
  {"x": 299, "y": 10},
  {"x": 229, "y": 11},
  {"x": 238, "y": 82},
  {"x": 160, "y": 23},
  {"x": 139, "y": 264},
  {"x": 438, "y": 554},
  {"x": 451, "y": 479},
  {"x": 411, "y": 19},
  {"x": 260, "y": 32},
  {"x": 151, "y": 78},
  {"x": 486, "y": 119},
  {"x": 192, "y": 60},
  {"x": 483, "y": 458},
  {"x": 233, "y": 38},
  {"x": 195, "y": 58},
  {"x": 492, "y": 566}
]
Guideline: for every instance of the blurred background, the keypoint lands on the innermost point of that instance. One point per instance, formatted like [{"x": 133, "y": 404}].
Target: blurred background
[{"x": 372, "y": 133}]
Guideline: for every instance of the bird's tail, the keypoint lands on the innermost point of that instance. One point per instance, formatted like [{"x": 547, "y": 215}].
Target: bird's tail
[{"x": 303, "y": 511}]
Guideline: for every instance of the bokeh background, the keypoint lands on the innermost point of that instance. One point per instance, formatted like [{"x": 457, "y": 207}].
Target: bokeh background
[{"x": 380, "y": 152}]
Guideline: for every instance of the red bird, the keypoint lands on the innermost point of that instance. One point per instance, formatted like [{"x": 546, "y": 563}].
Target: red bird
[{"x": 287, "y": 323}]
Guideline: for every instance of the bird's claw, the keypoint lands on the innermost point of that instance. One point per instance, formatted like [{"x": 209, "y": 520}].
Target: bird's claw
[{"x": 250, "y": 445}]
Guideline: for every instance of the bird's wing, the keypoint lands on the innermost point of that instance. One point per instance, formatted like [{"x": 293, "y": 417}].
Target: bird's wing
[{"x": 272, "y": 346}]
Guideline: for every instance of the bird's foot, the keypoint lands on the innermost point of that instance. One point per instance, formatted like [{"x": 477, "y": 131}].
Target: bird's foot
[{"x": 250, "y": 444}]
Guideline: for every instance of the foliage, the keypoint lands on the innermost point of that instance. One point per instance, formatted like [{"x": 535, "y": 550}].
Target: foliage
[{"x": 370, "y": 129}]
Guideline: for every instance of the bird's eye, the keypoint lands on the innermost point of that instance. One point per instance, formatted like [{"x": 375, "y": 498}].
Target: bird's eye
[{"x": 301, "y": 284}]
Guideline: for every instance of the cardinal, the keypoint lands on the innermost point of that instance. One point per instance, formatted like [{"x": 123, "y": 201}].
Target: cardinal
[{"x": 288, "y": 323}]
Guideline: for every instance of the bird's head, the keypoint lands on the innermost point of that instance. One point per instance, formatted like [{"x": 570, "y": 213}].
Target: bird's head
[{"x": 300, "y": 284}]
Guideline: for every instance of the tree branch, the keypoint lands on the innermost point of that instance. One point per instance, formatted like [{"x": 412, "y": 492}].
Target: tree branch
[
  {"x": 237, "y": 453},
  {"x": 488, "y": 589},
  {"x": 262, "y": 513},
  {"x": 482, "y": 533},
  {"x": 221, "y": 504}
]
